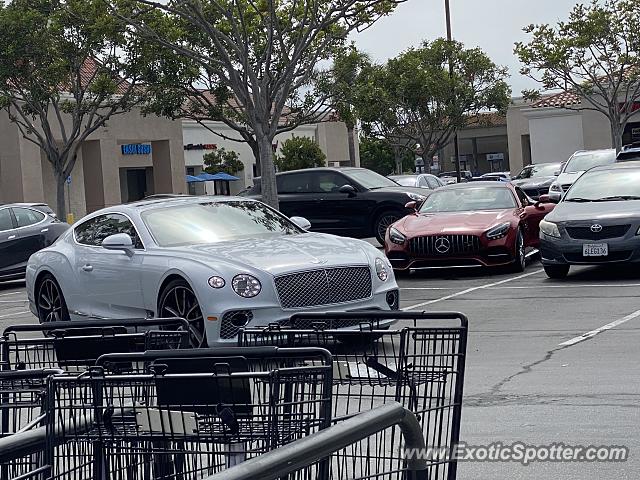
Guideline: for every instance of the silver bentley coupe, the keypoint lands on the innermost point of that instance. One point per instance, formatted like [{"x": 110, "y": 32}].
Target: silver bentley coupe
[{"x": 222, "y": 263}]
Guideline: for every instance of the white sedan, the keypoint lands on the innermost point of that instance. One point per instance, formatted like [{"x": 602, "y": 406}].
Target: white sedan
[{"x": 220, "y": 262}]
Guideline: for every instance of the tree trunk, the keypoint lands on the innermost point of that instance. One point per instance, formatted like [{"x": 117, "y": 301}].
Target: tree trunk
[
  {"x": 61, "y": 207},
  {"x": 351, "y": 136},
  {"x": 268, "y": 171},
  {"x": 617, "y": 131}
]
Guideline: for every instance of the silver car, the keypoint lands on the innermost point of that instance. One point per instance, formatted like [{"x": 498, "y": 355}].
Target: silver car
[
  {"x": 577, "y": 164},
  {"x": 220, "y": 262}
]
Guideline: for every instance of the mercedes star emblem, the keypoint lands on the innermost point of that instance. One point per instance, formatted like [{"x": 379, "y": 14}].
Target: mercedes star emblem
[
  {"x": 442, "y": 245},
  {"x": 596, "y": 228}
]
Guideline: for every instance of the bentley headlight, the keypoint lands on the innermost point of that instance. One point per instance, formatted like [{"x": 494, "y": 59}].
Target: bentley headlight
[
  {"x": 555, "y": 188},
  {"x": 396, "y": 237},
  {"x": 216, "y": 282},
  {"x": 416, "y": 197},
  {"x": 246, "y": 286},
  {"x": 550, "y": 229},
  {"x": 381, "y": 270},
  {"x": 499, "y": 231}
]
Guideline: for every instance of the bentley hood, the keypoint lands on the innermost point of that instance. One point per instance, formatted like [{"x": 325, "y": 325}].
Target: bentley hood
[
  {"x": 283, "y": 253},
  {"x": 453, "y": 223}
]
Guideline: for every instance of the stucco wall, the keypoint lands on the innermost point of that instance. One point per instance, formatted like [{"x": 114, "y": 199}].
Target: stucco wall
[
  {"x": 555, "y": 134},
  {"x": 517, "y": 128}
]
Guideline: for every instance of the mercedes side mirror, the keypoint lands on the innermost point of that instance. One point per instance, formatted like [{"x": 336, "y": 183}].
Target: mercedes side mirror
[
  {"x": 119, "y": 241},
  {"x": 348, "y": 189},
  {"x": 301, "y": 222},
  {"x": 412, "y": 206}
]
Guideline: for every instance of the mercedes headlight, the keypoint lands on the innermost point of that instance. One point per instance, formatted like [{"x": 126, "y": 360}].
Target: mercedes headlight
[
  {"x": 381, "y": 270},
  {"x": 246, "y": 286},
  {"x": 416, "y": 197},
  {"x": 396, "y": 237},
  {"x": 499, "y": 231},
  {"x": 550, "y": 229},
  {"x": 555, "y": 188}
]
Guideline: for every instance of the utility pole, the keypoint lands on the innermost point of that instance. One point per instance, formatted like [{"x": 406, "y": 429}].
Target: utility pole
[{"x": 455, "y": 136}]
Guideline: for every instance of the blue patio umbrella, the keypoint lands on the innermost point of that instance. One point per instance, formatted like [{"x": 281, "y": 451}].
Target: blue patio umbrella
[
  {"x": 206, "y": 177},
  {"x": 225, "y": 176},
  {"x": 192, "y": 179}
]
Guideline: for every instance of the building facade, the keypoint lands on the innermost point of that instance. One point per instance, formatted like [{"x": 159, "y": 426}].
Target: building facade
[
  {"x": 199, "y": 140},
  {"x": 131, "y": 157}
]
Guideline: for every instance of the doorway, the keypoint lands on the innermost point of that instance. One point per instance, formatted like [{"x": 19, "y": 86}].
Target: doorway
[{"x": 136, "y": 184}]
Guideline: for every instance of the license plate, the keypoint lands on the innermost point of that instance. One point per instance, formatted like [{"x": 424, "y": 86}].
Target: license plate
[{"x": 595, "y": 250}]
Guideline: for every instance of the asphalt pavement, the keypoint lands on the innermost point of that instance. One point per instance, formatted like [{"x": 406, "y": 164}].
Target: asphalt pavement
[{"x": 548, "y": 361}]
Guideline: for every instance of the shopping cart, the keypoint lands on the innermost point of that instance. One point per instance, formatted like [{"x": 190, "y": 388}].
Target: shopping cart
[
  {"x": 74, "y": 346},
  {"x": 419, "y": 363},
  {"x": 170, "y": 424}
]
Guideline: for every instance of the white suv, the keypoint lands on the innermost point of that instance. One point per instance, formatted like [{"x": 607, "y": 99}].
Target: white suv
[{"x": 579, "y": 163}]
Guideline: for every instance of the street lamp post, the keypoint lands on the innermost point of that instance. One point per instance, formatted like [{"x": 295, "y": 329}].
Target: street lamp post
[{"x": 455, "y": 136}]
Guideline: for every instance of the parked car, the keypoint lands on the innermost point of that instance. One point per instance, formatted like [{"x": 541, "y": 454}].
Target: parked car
[
  {"x": 422, "y": 180},
  {"x": 452, "y": 177},
  {"x": 219, "y": 262},
  {"x": 504, "y": 176},
  {"x": 354, "y": 202},
  {"x": 535, "y": 180},
  {"x": 629, "y": 153},
  {"x": 25, "y": 228},
  {"x": 480, "y": 224},
  {"x": 577, "y": 164},
  {"x": 597, "y": 221}
]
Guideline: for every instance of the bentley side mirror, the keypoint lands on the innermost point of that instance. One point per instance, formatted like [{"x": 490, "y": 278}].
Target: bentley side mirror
[
  {"x": 301, "y": 222},
  {"x": 119, "y": 241},
  {"x": 555, "y": 174},
  {"x": 348, "y": 189}
]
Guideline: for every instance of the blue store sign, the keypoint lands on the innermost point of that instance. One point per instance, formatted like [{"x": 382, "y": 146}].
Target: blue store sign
[{"x": 136, "y": 149}]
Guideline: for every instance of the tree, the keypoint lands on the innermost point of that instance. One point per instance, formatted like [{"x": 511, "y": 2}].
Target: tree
[
  {"x": 413, "y": 99},
  {"x": 596, "y": 54},
  {"x": 66, "y": 68},
  {"x": 376, "y": 154},
  {"x": 337, "y": 84},
  {"x": 298, "y": 153},
  {"x": 249, "y": 64},
  {"x": 221, "y": 160}
]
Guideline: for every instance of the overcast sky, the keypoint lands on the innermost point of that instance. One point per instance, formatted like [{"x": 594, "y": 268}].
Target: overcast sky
[{"x": 493, "y": 25}]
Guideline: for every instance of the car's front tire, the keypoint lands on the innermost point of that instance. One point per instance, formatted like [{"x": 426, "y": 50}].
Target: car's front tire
[
  {"x": 520, "y": 255},
  {"x": 382, "y": 222},
  {"x": 179, "y": 300},
  {"x": 557, "y": 271},
  {"x": 50, "y": 302}
]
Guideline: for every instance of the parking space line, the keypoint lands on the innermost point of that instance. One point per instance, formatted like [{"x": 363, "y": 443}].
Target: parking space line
[
  {"x": 472, "y": 289},
  {"x": 10, "y": 293},
  {"x": 613, "y": 285},
  {"x": 14, "y": 314},
  {"x": 14, "y": 301},
  {"x": 604, "y": 328}
]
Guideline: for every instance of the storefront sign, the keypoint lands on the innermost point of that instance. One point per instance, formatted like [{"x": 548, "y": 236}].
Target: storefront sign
[
  {"x": 200, "y": 146},
  {"x": 635, "y": 134},
  {"x": 136, "y": 149},
  {"x": 495, "y": 157}
]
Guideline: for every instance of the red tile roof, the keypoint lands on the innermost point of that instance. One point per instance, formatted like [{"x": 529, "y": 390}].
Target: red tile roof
[{"x": 559, "y": 100}]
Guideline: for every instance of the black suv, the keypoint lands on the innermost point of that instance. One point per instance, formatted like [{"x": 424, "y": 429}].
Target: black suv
[{"x": 355, "y": 202}]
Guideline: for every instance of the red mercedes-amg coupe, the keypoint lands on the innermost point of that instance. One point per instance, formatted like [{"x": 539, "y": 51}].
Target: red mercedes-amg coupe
[{"x": 467, "y": 225}]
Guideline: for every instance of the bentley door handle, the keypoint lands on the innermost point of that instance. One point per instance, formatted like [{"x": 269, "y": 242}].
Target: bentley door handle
[
  {"x": 11, "y": 237},
  {"x": 87, "y": 268}
]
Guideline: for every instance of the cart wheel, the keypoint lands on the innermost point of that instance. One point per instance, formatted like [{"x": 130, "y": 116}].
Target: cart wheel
[
  {"x": 178, "y": 300},
  {"x": 50, "y": 301}
]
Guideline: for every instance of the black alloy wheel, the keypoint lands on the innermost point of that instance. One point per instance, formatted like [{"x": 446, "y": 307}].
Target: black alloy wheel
[
  {"x": 382, "y": 223},
  {"x": 50, "y": 301},
  {"x": 178, "y": 300}
]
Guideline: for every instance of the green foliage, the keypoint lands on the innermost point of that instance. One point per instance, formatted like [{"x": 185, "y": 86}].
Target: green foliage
[
  {"x": 221, "y": 160},
  {"x": 414, "y": 99},
  {"x": 377, "y": 155},
  {"x": 298, "y": 153},
  {"x": 595, "y": 53}
]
